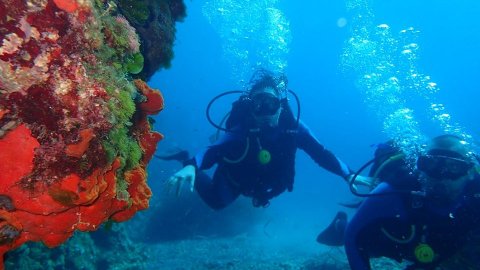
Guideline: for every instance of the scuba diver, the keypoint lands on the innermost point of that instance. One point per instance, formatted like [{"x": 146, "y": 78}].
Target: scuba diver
[
  {"x": 426, "y": 224},
  {"x": 256, "y": 155}
]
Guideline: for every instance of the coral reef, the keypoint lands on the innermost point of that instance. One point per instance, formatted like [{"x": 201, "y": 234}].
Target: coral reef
[
  {"x": 154, "y": 21},
  {"x": 75, "y": 138},
  {"x": 79, "y": 252},
  {"x": 107, "y": 248}
]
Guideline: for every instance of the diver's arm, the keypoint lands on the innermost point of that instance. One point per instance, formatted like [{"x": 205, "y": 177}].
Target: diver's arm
[
  {"x": 356, "y": 253},
  {"x": 212, "y": 154},
  {"x": 365, "y": 221},
  {"x": 323, "y": 157},
  {"x": 357, "y": 259}
]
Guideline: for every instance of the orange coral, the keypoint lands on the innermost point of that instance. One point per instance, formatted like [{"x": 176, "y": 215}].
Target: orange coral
[
  {"x": 154, "y": 103},
  {"x": 55, "y": 175},
  {"x": 13, "y": 169},
  {"x": 67, "y": 5},
  {"x": 52, "y": 215},
  {"x": 139, "y": 192},
  {"x": 77, "y": 150},
  {"x": 148, "y": 140}
]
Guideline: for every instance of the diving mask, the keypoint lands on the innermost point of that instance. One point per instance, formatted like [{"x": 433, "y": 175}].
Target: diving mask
[
  {"x": 442, "y": 167},
  {"x": 264, "y": 104}
]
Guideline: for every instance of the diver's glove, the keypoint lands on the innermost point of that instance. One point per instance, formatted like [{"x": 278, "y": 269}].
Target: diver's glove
[
  {"x": 361, "y": 180},
  {"x": 186, "y": 174}
]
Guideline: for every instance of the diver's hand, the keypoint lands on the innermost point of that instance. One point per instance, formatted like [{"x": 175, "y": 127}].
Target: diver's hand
[
  {"x": 362, "y": 180},
  {"x": 187, "y": 174},
  {"x": 365, "y": 181}
]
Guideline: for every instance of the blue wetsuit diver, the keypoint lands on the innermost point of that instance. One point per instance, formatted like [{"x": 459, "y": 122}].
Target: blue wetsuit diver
[
  {"x": 425, "y": 229},
  {"x": 256, "y": 156}
]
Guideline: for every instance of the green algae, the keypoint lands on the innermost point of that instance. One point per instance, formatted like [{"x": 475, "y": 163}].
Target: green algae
[
  {"x": 135, "y": 10},
  {"x": 117, "y": 61},
  {"x": 134, "y": 64}
]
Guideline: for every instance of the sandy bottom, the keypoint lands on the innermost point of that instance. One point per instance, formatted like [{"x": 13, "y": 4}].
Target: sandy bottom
[{"x": 245, "y": 252}]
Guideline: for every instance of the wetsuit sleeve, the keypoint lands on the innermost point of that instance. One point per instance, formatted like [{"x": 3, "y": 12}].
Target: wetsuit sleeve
[
  {"x": 371, "y": 212},
  {"x": 212, "y": 154},
  {"x": 323, "y": 157}
]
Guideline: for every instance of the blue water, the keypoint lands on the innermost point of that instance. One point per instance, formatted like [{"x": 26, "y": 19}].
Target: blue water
[{"x": 333, "y": 105}]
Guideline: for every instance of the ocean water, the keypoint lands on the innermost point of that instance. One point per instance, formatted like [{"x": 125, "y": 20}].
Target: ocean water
[
  {"x": 357, "y": 85},
  {"x": 346, "y": 114}
]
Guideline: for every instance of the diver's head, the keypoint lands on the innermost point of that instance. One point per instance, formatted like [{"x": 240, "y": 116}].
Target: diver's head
[
  {"x": 266, "y": 107},
  {"x": 448, "y": 165},
  {"x": 266, "y": 98}
]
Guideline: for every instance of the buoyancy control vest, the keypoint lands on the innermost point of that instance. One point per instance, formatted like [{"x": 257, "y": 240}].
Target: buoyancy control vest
[{"x": 269, "y": 167}]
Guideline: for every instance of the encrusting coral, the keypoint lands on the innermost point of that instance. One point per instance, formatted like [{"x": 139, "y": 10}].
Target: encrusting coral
[{"x": 74, "y": 132}]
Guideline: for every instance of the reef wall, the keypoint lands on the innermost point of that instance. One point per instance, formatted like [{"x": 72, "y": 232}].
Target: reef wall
[{"x": 75, "y": 137}]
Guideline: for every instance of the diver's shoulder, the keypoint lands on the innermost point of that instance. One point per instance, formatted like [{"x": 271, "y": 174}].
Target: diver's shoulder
[{"x": 473, "y": 186}]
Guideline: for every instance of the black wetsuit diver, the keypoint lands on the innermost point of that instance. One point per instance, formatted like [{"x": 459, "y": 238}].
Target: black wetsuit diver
[{"x": 397, "y": 223}]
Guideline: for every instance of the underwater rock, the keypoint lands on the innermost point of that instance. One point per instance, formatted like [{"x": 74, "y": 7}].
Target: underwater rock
[
  {"x": 74, "y": 132},
  {"x": 154, "y": 21}
]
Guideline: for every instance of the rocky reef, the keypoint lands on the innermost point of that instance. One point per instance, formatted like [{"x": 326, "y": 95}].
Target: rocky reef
[
  {"x": 154, "y": 21},
  {"x": 119, "y": 251},
  {"x": 75, "y": 136}
]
